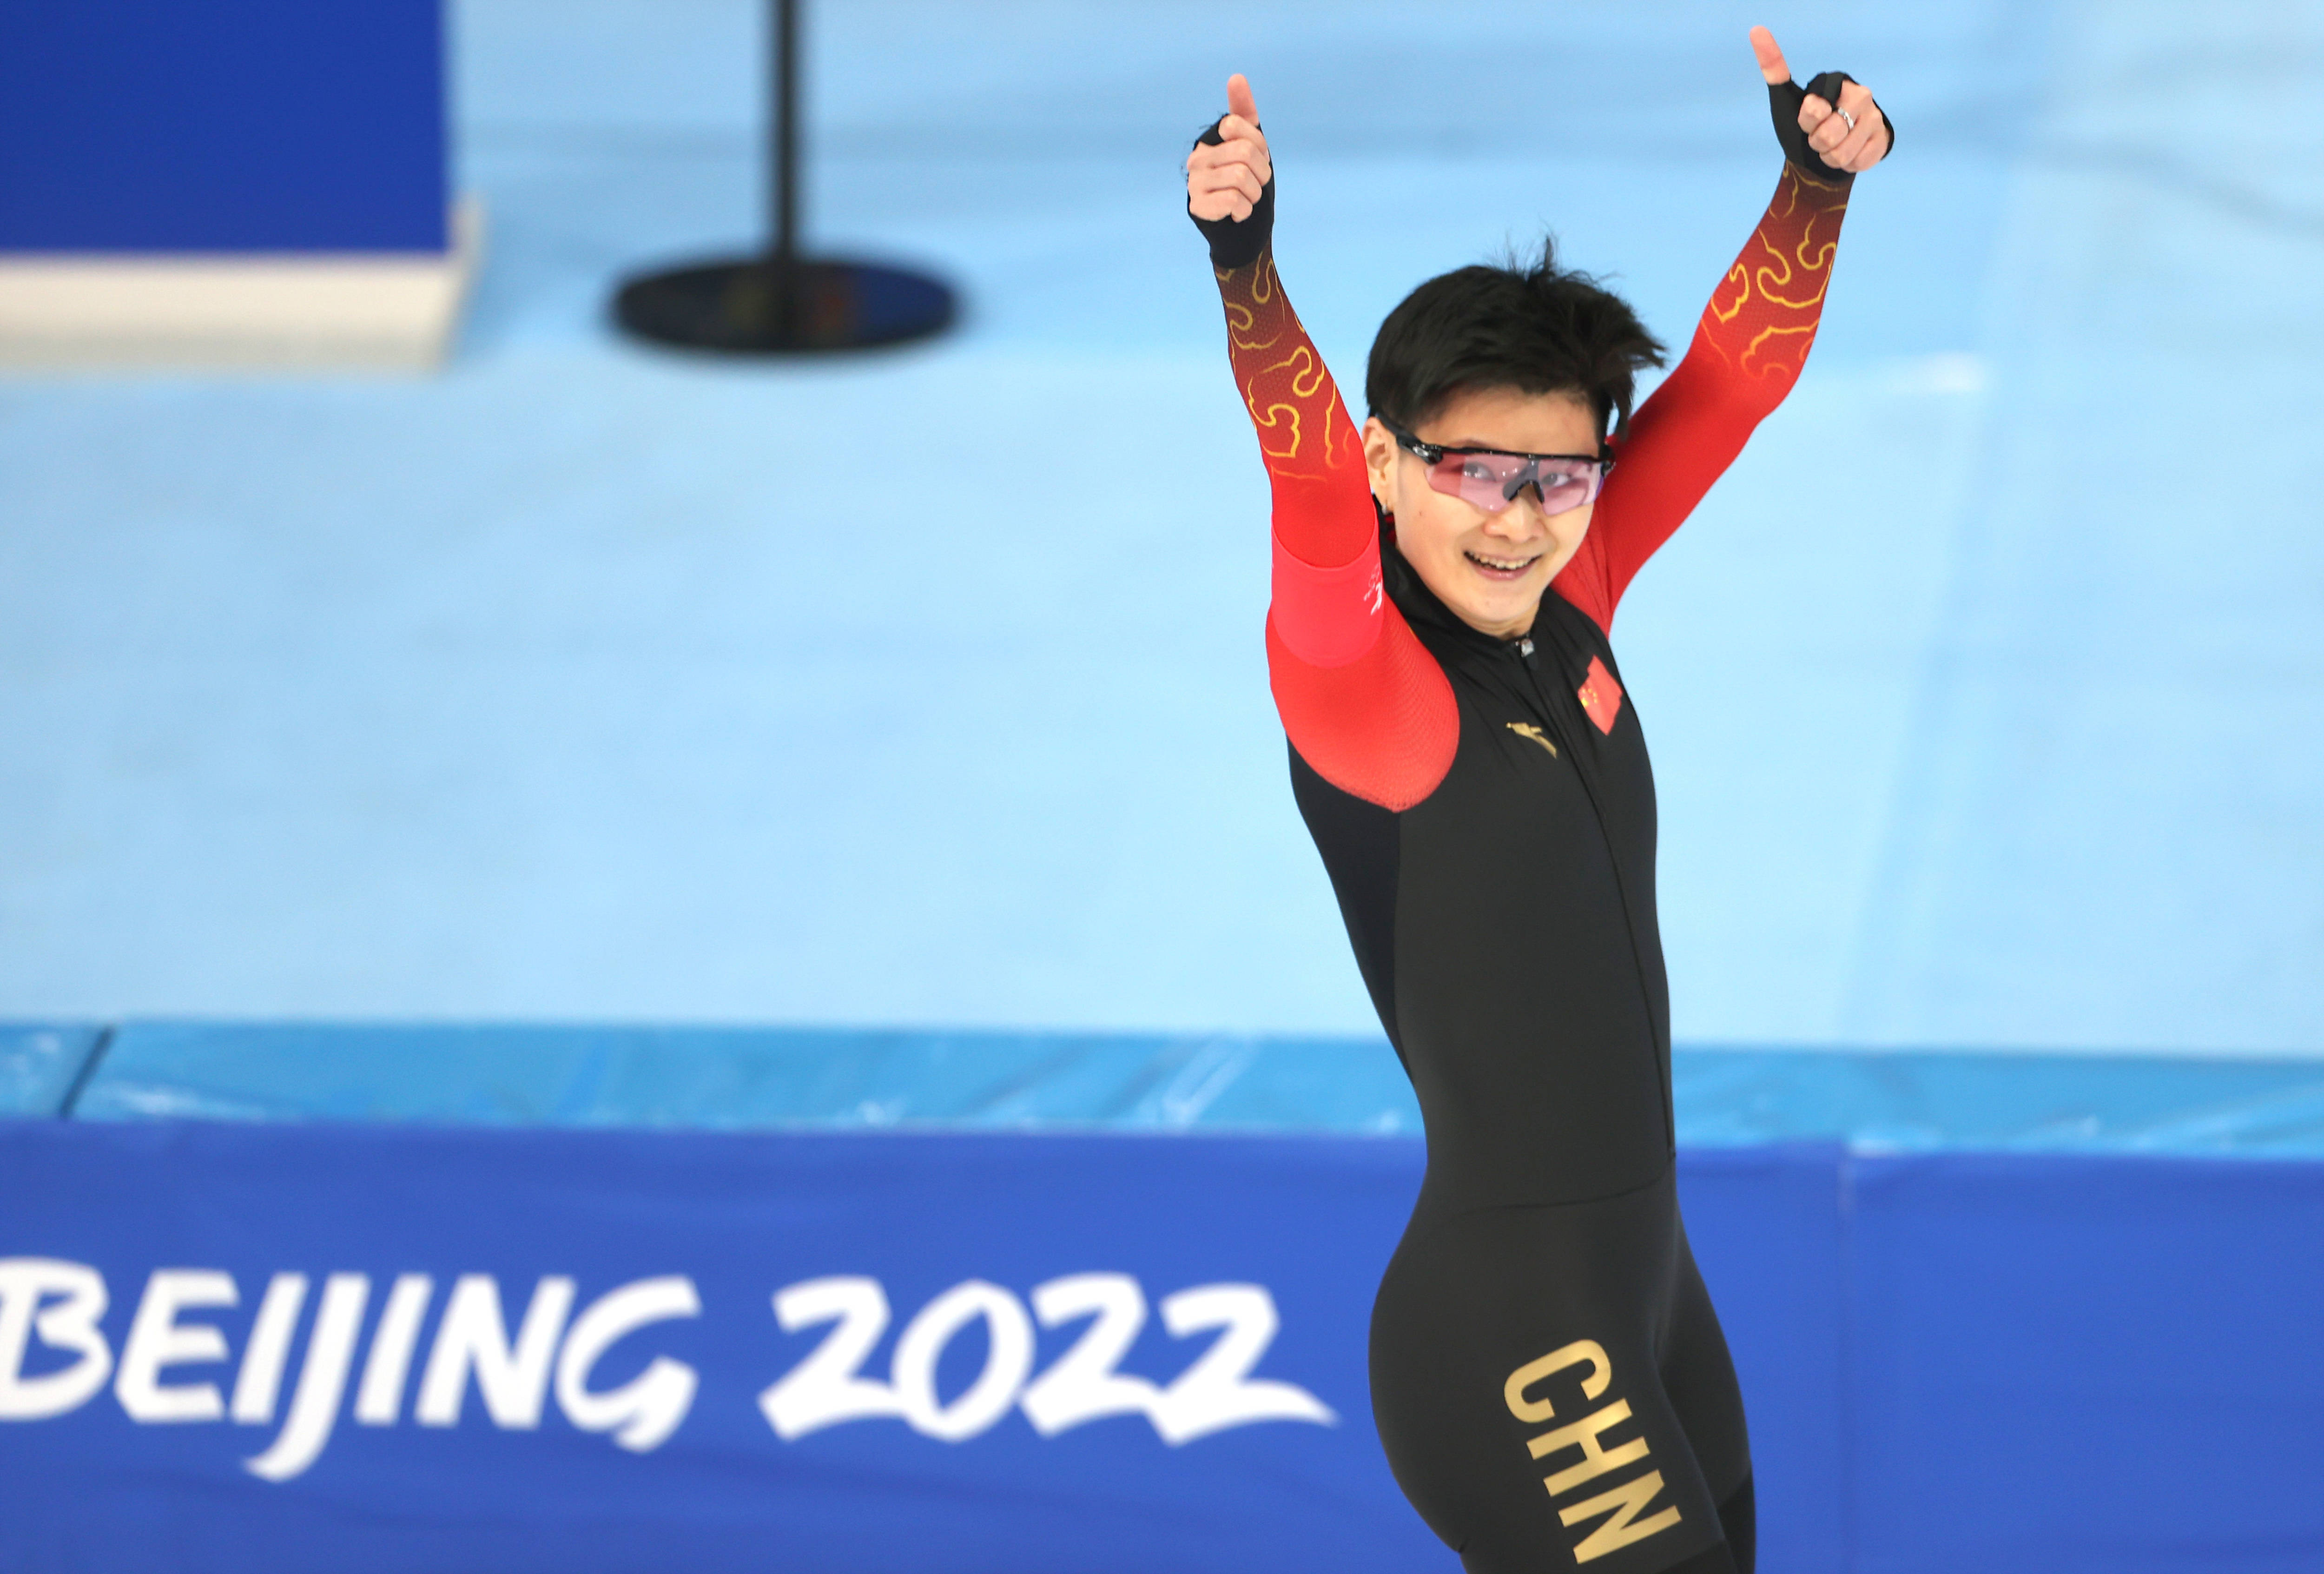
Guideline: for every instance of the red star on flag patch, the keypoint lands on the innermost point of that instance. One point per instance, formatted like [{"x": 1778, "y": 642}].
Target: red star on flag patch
[{"x": 1602, "y": 697}]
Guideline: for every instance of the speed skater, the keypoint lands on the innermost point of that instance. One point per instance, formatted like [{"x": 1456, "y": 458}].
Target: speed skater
[{"x": 1549, "y": 1380}]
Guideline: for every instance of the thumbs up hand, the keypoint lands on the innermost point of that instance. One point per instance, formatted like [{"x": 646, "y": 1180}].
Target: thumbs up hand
[
  {"x": 1850, "y": 135},
  {"x": 1224, "y": 179}
]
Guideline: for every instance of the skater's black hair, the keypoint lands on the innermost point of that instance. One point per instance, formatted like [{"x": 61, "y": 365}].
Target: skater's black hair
[{"x": 1533, "y": 327}]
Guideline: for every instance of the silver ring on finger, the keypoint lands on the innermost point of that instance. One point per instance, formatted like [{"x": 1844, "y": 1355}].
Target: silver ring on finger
[{"x": 1844, "y": 115}]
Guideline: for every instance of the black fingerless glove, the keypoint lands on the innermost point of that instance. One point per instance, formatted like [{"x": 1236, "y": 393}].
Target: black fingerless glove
[
  {"x": 1784, "y": 101},
  {"x": 1236, "y": 243}
]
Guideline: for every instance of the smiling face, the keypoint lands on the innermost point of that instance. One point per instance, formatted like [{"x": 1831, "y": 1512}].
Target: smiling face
[{"x": 1490, "y": 569}]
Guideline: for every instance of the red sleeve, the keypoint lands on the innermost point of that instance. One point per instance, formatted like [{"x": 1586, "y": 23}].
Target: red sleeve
[
  {"x": 1748, "y": 351},
  {"x": 1361, "y": 697}
]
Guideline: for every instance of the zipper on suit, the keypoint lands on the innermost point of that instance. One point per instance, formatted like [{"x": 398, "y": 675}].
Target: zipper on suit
[{"x": 1522, "y": 650}]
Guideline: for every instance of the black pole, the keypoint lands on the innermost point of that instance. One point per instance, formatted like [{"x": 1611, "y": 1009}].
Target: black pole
[
  {"x": 783, "y": 166},
  {"x": 782, "y": 301}
]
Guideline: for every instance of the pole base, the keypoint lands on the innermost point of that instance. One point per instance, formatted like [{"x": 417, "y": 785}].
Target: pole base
[{"x": 761, "y": 306}]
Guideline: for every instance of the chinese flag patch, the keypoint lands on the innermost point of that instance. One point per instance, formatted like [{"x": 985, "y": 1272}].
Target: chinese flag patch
[{"x": 1602, "y": 697}]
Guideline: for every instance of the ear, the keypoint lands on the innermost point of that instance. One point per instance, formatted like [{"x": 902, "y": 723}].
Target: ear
[{"x": 1379, "y": 462}]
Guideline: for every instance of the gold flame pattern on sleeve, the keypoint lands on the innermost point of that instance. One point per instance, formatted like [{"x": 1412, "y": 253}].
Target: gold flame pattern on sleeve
[
  {"x": 1303, "y": 431},
  {"x": 1761, "y": 318}
]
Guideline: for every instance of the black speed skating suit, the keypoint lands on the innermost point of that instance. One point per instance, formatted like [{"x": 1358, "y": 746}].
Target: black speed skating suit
[{"x": 1548, "y": 1377}]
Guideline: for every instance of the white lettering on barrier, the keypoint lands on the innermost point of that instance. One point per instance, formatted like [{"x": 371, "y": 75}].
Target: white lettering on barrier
[
  {"x": 824, "y": 1390},
  {"x": 315, "y": 1407},
  {"x": 62, "y": 1304},
  {"x": 157, "y": 1339},
  {"x": 642, "y": 1412},
  {"x": 69, "y": 1323},
  {"x": 380, "y": 1400},
  {"x": 260, "y": 1381},
  {"x": 1216, "y": 1391},
  {"x": 1082, "y": 1384},
  {"x": 1008, "y": 1361},
  {"x": 474, "y": 1337}
]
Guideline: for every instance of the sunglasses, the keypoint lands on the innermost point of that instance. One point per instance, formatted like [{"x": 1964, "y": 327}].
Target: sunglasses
[{"x": 1490, "y": 479}]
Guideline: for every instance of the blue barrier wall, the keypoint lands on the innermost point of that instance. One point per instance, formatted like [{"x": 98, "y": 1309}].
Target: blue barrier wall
[
  {"x": 2087, "y": 1365},
  {"x": 738, "y": 1218},
  {"x": 473, "y": 1339},
  {"x": 246, "y": 125}
]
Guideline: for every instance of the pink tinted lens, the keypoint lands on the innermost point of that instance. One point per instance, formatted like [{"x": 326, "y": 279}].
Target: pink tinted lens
[{"x": 1491, "y": 481}]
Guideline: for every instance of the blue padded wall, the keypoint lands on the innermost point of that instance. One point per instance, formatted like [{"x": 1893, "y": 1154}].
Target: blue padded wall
[
  {"x": 1768, "y": 1233},
  {"x": 2021, "y": 1364},
  {"x": 222, "y": 125},
  {"x": 93, "y": 1486},
  {"x": 2039, "y": 1316},
  {"x": 2087, "y": 1365}
]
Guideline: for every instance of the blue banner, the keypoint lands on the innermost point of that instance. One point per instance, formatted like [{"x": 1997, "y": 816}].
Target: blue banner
[
  {"x": 374, "y": 1348},
  {"x": 384, "y": 1349}
]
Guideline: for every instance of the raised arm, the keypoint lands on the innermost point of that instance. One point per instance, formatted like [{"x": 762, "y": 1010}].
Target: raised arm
[
  {"x": 1750, "y": 343},
  {"x": 1361, "y": 700}
]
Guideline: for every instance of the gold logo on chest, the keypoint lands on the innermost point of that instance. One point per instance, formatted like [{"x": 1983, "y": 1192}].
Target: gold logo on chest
[{"x": 1525, "y": 729}]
